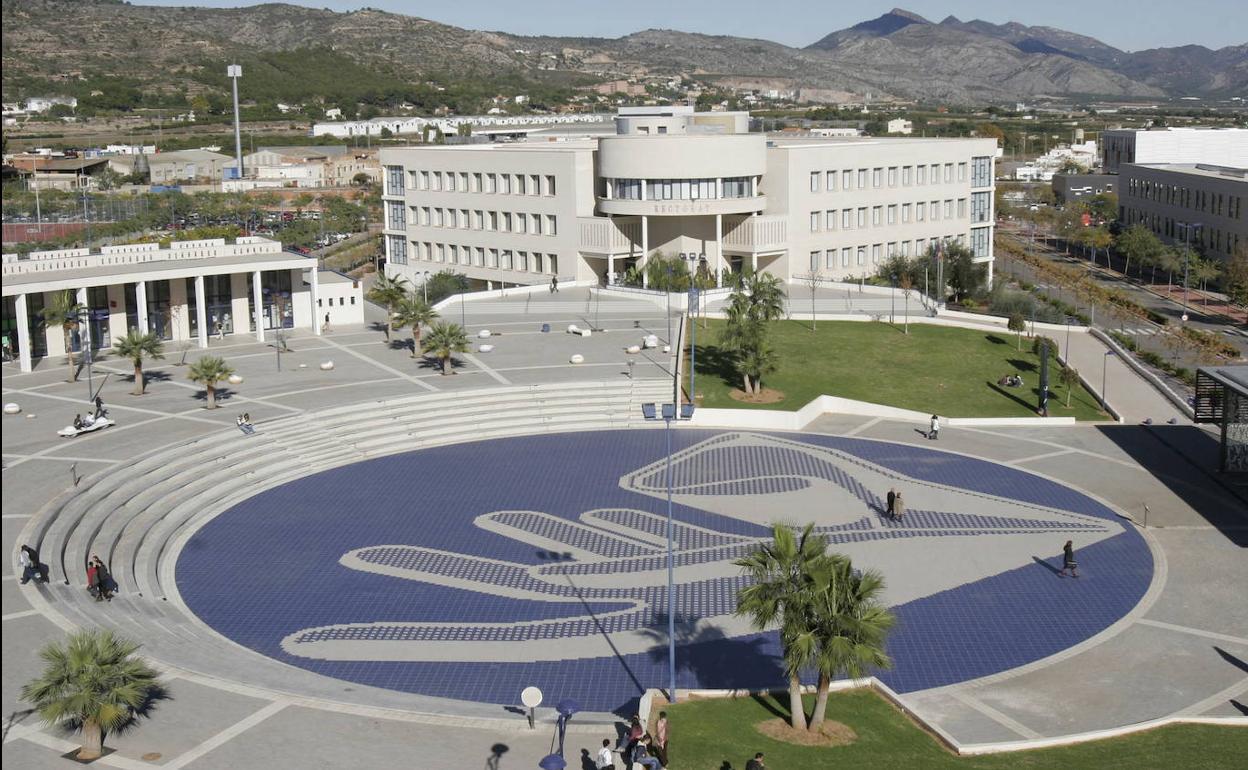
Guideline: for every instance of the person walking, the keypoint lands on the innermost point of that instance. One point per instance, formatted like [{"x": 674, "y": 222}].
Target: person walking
[
  {"x": 325, "y": 330},
  {"x": 100, "y": 411},
  {"x": 635, "y": 732},
  {"x": 1068, "y": 560},
  {"x": 30, "y": 565},
  {"x": 934, "y": 432},
  {"x": 899, "y": 507},
  {"x": 554, "y": 284},
  {"x": 660, "y": 738},
  {"x": 93, "y": 581},
  {"x": 605, "y": 760},
  {"x": 892, "y": 503},
  {"x": 756, "y": 763},
  {"x": 220, "y": 331}
]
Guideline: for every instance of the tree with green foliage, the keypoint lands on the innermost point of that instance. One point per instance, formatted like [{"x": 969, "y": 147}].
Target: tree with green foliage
[
  {"x": 136, "y": 346},
  {"x": 413, "y": 311},
  {"x": 208, "y": 371},
  {"x": 1018, "y": 325},
  {"x": 445, "y": 283},
  {"x": 781, "y": 593},
  {"x": 388, "y": 292},
  {"x": 1069, "y": 377},
  {"x": 963, "y": 274},
  {"x": 667, "y": 273},
  {"x": 445, "y": 340},
  {"x": 1138, "y": 243},
  {"x": 93, "y": 682},
  {"x": 1235, "y": 275},
  {"x": 850, "y": 623},
  {"x": 65, "y": 312}
]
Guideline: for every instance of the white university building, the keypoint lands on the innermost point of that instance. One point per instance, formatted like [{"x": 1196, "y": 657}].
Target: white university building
[
  {"x": 671, "y": 181},
  {"x": 186, "y": 291}
]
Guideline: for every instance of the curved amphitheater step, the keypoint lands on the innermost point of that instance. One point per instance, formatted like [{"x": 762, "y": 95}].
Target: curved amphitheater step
[{"x": 131, "y": 517}]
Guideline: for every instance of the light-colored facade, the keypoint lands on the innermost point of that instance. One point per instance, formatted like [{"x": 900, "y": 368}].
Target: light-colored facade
[
  {"x": 1200, "y": 203},
  {"x": 313, "y": 166},
  {"x": 170, "y": 168},
  {"x": 183, "y": 292},
  {"x": 588, "y": 210},
  {"x": 1219, "y": 146}
]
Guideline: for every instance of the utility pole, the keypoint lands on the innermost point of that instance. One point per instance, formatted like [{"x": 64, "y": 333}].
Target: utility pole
[{"x": 234, "y": 72}]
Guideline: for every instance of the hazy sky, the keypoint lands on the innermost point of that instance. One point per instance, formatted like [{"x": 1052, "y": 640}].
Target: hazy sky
[{"x": 1131, "y": 25}]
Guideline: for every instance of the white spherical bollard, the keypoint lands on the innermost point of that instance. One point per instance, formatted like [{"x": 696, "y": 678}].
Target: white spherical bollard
[
  {"x": 667, "y": 348},
  {"x": 651, "y": 341},
  {"x": 574, "y": 329},
  {"x": 235, "y": 379},
  {"x": 484, "y": 334},
  {"x": 577, "y": 358},
  {"x": 12, "y": 408},
  {"x": 484, "y": 348},
  {"x": 327, "y": 366}
]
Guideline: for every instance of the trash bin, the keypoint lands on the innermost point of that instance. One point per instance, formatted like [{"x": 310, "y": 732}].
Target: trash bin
[{"x": 545, "y": 328}]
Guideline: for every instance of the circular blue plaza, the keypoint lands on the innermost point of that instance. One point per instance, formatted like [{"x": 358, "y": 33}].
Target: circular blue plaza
[{"x": 473, "y": 570}]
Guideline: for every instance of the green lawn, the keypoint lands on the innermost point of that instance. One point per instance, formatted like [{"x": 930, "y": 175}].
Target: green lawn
[
  {"x": 945, "y": 370},
  {"x": 720, "y": 735}
]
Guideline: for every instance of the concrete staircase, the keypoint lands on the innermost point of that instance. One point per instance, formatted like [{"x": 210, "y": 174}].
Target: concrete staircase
[{"x": 132, "y": 516}]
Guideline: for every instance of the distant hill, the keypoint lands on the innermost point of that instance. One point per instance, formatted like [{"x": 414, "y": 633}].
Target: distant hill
[{"x": 135, "y": 54}]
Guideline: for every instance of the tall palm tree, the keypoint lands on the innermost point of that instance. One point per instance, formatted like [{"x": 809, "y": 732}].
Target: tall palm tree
[
  {"x": 208, "y": 371},
  {"x": 65, "y": 312},
  {"x": 767, "y": 296},
  {"x": 781, "y": 593},
  {"x": 389, "y": 292},
  {"x": 414, "y": 312},
  {"x": 754, "y": 360},
  {"x": 92, "y": 682},
  {"x": 850, "y": 623},
  {"x": 134, "y": 346},
  {"x": 443, "y": 341}
]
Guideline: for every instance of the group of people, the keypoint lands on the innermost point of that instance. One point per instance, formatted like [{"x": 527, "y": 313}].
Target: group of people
[
  {"x": 32, "y": 567},
  {"x": 86, "y": 421},
  {"x": 1011, "y": 381},
  {"x": 100, "y": 583},
  {"x": 640, "y": 748},
  {"x": 243, "y": 421},
  {"x": 895, "y": 505}
]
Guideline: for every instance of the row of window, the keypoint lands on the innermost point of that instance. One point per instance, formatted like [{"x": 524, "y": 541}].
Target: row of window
[
  {"x": 1186, "y": 197},
  {"x": 1205, "y": 238},
  {"x": 681, "y": 189},
  {"x": 851, "y": 256},
  {"x": 469, "y": 181},
  {"x": 464, "y": 219},
  {"x": 474, "y": 256},
  {"x": 875, "y": 178},
  {"x": 879, "y": 216}
]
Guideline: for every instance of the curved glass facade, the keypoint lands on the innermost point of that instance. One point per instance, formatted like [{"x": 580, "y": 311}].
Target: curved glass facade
[{"x": 681, "y": 189}]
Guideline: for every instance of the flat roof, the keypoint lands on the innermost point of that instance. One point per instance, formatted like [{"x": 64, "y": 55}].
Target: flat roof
[
  {"x": 1234, "y": 377},
  {"x": 89, "y": 274},
  {"x": 1197, "y": 169}
]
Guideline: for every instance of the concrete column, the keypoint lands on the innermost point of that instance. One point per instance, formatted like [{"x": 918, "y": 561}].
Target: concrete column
[
  {"x": 201, "y": 311},
  {"x": 643, "y": 189},
  {"x": 84, "y": 330},
  {"x": 179, "y": 309},
  {"x": 645, "y": 243},
  {"x": 23, "y": 333},
  {"x": 257, "y": 299},
  {"x": 610, "y": 269},
  {"x": 318, "y": 317},
  {"x": 238, "y": 301},
  {"x": 719, "y": 250},
  {"x": 140, "y": 299},
  {"x": 754, "y": 263},
  {"x": 116, "y": 311},
  {"x": 53, "y": 334}
]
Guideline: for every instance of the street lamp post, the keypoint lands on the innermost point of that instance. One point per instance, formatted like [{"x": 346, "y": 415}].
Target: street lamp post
[
  {"x": 1187, "y": 253},
  {"x": 424, "y": 285},
  {"x": 1104, "y": 368}
]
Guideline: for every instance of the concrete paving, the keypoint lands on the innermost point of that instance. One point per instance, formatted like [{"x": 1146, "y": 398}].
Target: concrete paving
[{"x": 1180, "y": 651}]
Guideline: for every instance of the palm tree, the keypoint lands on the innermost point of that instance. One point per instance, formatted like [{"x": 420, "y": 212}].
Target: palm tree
[
  {"x": 208, "y": 371},
  {"x": 92, "y": 682},
  {"x": 781, "y": 593},
  {"x": 766, "y": 294},
  {"x": 755, "y": 360},
  {"x": 64, "y": 311},
  {"x": 850, "y": 624},
  {"x": 389, "y": 292},
  {"x": 134, "y": 346},
  {"x": 444, "y": 340},
  {"x": 414, "y": 312}
]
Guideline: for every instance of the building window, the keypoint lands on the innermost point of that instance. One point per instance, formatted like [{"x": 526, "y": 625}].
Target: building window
[
  {"x": 441, "y": 252},
  {"x": 948, "y": 172},
  {"x": 504, "y": 181},
  {"x": 875, "y": 253},
  {"x": 920, "y": 174},
  {"x": 494, "y": 258},
  {"x": 920, "y": 246},
  {"x": 396, "y": 218},
  {"x": 961, "y": 208},
  {"x": 961, "y": 172},
  {"x": 491, "y": 183},
  {"x": 905, "y": 213},
  {"x": 814, "y": 181},
  {"x": 877, "y": 177},
  {"x": 506, "y": 225},
  {"x": 847, "y": 219},
  {"x": 847, "y": 180},
  {"x": 535, "y": 184},
  {"x": 846, "y": 254},
  {"x": 891, "y": 251},
  {"x": 814, "y": 261},
  {"x": 814, "y": 221},
  {"x": 905, "y": 176},
  {"x": 450, "y": 181},
  {"x": 522, "y": 222},
  {"x": 905, "y": 248},
  {"x": 949, "y": 209},
  {"x": 830, "y": 181},
  {"x": 862, "y": 179},
  {"x": 737, "y": 187},
  {"x": 981, "y": 171},
  {"x": 829, "y": 220},
  {"x": 862, "y": 217},
  {"x": 862, "y": 255},
  {"x": 920, "y": 210},
  {"x": 979, "y": 241},
  {"x": 394, "y": 180},
  {"x": 550, "y": 184},
  {"x": 422, "y": 180},
  {"x": 507, "y": 260},
  {"x": 892, "y": 214},
  {"x": 396, "y": 249},
  {"x": 892, "y": 176},
  {"x": 523, "y": 261},
  {"x": 877, "y": 214},
  {"x": 551, "y": 225},
  {"x": 463, "y": 181}
]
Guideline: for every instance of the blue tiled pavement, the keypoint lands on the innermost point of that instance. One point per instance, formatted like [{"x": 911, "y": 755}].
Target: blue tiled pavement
[{"x": 269, "y": 567}]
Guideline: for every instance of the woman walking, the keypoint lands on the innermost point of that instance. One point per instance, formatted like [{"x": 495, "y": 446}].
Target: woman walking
[{"x": 1068, "y": 560}]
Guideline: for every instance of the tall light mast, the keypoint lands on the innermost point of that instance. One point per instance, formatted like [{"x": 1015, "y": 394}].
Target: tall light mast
[{"x": 234, "y": 72}]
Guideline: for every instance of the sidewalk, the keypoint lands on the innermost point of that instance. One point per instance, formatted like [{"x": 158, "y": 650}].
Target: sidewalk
[{"x": 1128, "y": 393}]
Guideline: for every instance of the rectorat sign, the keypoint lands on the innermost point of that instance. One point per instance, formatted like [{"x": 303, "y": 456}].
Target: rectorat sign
[{"x": 691, "y": 207}]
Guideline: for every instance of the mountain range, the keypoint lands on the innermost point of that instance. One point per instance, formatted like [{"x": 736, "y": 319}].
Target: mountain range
[{"x": 898, "y": 54}]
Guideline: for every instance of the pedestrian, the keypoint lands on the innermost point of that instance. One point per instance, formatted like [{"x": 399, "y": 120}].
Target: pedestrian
[
  {"x": 605, "y": 759},
  {"x": 899, "y": 507},
  {"x": 1068, "y": 560},
  {"x": 934, "y": 433},
  {"x": 93, "y": 581},
  {"x": 30, "y": 565},
  {"x": 326, "y": 329},
  {"x": 104, "y": 579},
  {"x": 756, "y": 763},
  {"x": 635, "y": 732},
  {"x": 660, "y": 738},
  {"x": 892, "y": 503},
  {"x": 554, "y": 284},
  {"x": 100, "y": 411},
  {"x": 641, "y": 755},
  {"x": 220, "y": 331}
]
